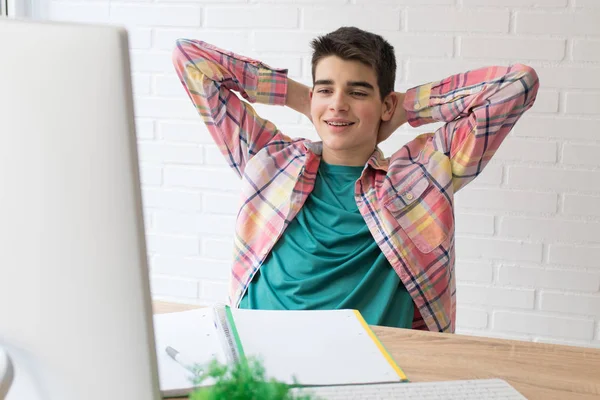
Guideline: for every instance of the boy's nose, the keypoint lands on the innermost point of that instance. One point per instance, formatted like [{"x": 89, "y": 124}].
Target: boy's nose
[{"x": 338, "y": 103}]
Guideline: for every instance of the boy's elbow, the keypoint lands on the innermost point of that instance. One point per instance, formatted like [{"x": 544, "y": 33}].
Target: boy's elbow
[
  {"x": 178, "y": 56},
  {"x": 181, "y": 56},
  {"x": 530, "y": 81}
]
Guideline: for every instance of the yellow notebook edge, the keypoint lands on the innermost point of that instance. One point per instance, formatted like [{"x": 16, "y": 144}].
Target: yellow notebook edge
[{"x": 380, "y": 346}]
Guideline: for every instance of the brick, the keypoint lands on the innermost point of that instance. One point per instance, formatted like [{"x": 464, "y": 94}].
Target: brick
[
  {"x": 553, "y": 178},
  {"x": 213, "y": 157},
  {"x": 168, "y": 86},
  {"x": 585, "y": 256},
  {"x": 495, "y": 296},
  {"x": 519, "y": 149},
  {"x": 173, "y": 245},
  {"x": 580, "y": 154},
  {"x": 251, "y": 17},
  {"x": 551, "y": 127},
  {"x": 277, "y": 115},
  {"x": 215, "y": 291},
  {"x": 193, "y": 267},
  {"x": 576, "y": 77},
  {"x": 491, "y": 175},
  {"x": 176, "y": 222},
  {"x": 474, "y": 271},
  {"x": 547, "y": 325},
  {"x": 155, "y": 15},
  {"x": 586, "y": 50},
  {"x": 165, "y": 108},
  {"x": 513, "y": 48},
  {"x": 179, "y": 131},
  {"x": 550, "y": 229},
  {"x": 545, "y": 102},
  {"x": 283, "y": 41},
  {"x": 506, "y": 200},
  {"x": 236, "y": 41},
  {"x": 221, "y": 203},
  {"x": 516, "y": 3},
  {"x": 368, "y": 18},
  {"x": 150, "y": 175},
  {"x": 216, "y": 225},
  {"x": 475, "y": 223},
  {"x": 151, "y": 61},
  {"x": 180, "y": 200},
  {"x": 582, "y": 103},
  {"x": 574, "y": 204},
  {"x": 141, "y": 84},
  {"x": 144, "y": 128},
  {"x": 471, "y": 318},
  {"x": 470, "y": 247},
  {"x": 423, "y": 71},
  {"x": 79, "y": 12},
  {"x": 218, "y": 249},
  {"x": 420, "y": 45},
  {"x": 140, "y": 38},
  {"x": 188, "y": 154},
  {"x": 451, "y": 20},
  {"x": 202, "y": 178},
  {"x": 571, "y": 303},
  {"x": 548, "y": 278},
  {"x": 546, "y": 23},
  {"x": 177, "y": 287}
]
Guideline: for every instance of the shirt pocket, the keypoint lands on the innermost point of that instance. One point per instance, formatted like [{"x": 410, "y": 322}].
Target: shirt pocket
[{"x": 423, "y": 212}]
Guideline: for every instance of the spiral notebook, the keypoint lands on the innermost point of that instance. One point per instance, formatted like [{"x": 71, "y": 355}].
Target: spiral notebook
[{"x": 315, "y": 347}]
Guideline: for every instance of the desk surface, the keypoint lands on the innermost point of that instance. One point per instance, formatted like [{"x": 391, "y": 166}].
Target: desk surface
[{"x": 537, "y": 370}]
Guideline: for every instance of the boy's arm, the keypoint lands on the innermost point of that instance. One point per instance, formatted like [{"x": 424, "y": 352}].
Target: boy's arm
[
  {"x": 209, "y": 76},
  {"x": 480, "y": 107},
  {"x": 298, "y": 98}
]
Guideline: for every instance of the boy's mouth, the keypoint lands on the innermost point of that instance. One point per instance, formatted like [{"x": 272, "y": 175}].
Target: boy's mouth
[{"x": 331, "y": 122}]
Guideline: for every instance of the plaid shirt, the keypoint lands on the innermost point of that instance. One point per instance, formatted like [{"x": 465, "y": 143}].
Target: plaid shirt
[{"x": 406, "y": 200}]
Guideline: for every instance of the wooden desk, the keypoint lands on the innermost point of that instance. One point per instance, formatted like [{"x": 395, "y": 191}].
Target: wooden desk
[{"x": 537, "y": 370}]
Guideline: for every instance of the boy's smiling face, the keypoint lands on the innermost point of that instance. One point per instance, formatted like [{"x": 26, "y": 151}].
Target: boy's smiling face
[{"x": 346, "y": 109}]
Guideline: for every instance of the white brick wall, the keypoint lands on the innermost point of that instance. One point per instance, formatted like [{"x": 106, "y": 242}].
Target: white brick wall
[{"x": 528, "y": 245}]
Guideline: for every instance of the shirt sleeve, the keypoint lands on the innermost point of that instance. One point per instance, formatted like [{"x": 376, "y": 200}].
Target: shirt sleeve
[
  {"x": 210, "y": 76},
  {"x": 480, "y": 107}
]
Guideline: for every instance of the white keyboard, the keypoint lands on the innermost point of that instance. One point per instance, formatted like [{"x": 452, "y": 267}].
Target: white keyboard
[{"x": 476, "y": 389}]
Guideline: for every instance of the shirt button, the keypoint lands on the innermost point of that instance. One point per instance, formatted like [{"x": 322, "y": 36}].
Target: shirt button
[{"x": 409, "y": 196}]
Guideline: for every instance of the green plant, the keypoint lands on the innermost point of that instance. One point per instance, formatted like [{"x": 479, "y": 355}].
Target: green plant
[{"x": 244, "y": 380}]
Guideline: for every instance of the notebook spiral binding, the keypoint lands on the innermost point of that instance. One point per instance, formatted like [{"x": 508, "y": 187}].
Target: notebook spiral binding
[{"x": 226, "y": 335}]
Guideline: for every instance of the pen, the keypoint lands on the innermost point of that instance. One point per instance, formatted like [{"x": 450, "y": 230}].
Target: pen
[{"x": 176, "y": 355}]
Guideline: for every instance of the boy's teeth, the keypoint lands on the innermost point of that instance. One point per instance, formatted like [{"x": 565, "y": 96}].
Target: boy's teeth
[{"x": 339, "y": 123}]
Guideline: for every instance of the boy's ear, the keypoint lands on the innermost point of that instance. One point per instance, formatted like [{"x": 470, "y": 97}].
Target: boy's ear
[
  {"x": 310, "y": 93},
  {"x": 390, "y": 102}
]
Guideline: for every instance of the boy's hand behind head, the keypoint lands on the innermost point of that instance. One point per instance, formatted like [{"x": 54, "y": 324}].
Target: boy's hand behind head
[{"x": 386, "y": 128}]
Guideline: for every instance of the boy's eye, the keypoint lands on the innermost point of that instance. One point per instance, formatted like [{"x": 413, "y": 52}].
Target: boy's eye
[
  {"x": 324, "y": 91},
  {"x": 358, "y": 94}
]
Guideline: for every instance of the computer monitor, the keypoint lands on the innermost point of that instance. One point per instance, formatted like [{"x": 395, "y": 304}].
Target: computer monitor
[{"x": 75, "y": 305}]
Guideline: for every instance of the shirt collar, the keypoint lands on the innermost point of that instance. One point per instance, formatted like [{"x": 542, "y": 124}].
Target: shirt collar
[{"x": 375, "y": 161}]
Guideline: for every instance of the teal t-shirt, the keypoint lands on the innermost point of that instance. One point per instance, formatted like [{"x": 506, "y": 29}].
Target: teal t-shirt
[{"x": 327, "y": 259}]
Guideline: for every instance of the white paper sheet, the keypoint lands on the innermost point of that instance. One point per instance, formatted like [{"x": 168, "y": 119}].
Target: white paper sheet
[{"x": 194, "y": 335}]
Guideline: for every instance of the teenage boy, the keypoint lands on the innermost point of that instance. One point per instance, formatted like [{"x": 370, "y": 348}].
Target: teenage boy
[{"x": 335, "y": 224}]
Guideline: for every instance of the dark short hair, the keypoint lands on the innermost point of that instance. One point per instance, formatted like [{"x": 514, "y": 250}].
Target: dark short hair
[{"x": 351, "y": 43}]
